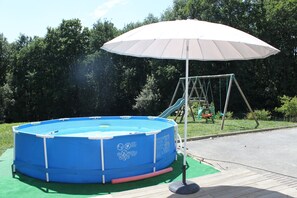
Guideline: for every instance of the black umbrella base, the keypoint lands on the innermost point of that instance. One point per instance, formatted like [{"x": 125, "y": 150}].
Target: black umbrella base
[{"x": 182, "y": 188}]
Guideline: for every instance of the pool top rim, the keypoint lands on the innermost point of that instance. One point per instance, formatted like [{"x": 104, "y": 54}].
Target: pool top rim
[{"x": 51, "y": 134}]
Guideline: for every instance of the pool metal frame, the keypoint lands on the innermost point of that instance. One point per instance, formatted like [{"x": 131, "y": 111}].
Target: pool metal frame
[{"x": 177, "y": 139}]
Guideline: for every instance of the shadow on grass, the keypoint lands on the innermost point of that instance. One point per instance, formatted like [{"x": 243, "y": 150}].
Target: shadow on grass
[
  {"x": 237, "y": 127},
  {"x": 100, "y": 189}
]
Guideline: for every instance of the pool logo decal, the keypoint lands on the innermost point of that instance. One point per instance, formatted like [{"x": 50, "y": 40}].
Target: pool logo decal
[
  {"x": 163, "y": 145},
  {"x": 125, "y": 152}
]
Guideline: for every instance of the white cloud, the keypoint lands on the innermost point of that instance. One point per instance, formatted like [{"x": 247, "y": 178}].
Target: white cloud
[{"x": 104, "y": 8}]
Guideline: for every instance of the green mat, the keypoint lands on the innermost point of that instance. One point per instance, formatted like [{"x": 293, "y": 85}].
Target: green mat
[{"x": 23, "y": 186}]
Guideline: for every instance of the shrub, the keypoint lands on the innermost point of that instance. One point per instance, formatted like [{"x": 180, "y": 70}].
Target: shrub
[
  {"x": 195, "y": 106},
  {"x": 229, "y": 115},
  {"x": 148, "y": 98},
  {"x": 288, "y": 107},
  {"x": 219, "y": 115},
  {"x": 260, "y": 114}
]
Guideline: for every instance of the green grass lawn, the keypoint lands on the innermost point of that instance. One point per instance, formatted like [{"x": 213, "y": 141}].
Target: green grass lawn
[
  {"x": 195, "y": 129},
  {"x": 6, "y": 138},
  {"x": 200, "y": 128}
]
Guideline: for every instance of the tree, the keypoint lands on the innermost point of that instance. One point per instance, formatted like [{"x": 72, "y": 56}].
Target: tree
[
  {"x": 4, "y": 64},
  {"x": 4, "y": 58},
  {"x": 43, "y": 72},
  {"x": 177, "y": 11},
  {"x": 148, "y": 99},
  {"x": 28, "y": 77},
  {"x": 101, "y": 33},
  {"x": 97, "y": 85},
  {"x": 66, "y": 74},
  {"x": 65, "y": 48},
  {"x": 281, "y": 31}
]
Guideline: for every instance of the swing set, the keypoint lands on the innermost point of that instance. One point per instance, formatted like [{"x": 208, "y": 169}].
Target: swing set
[{"x": 201, "y": 91}]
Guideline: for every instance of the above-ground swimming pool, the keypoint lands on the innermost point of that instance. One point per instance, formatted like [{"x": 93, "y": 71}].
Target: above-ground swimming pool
[{"x": 94, "y": 149}]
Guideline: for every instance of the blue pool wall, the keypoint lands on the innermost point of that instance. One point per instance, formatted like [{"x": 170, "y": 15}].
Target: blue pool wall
[{"x": 79, "y": 159}]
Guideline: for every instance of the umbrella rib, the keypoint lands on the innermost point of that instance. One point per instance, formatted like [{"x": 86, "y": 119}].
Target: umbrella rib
[
  {"x": 200, "y": 49},
  {"x": 247, "y": 47},
  {"x": 250, "y": 48},
  {"x": 237, "y": 50},
  {"x": 151, "y": 43},
  {"x": 147, "y": 47},
  {"x": 181, "y": 56},
  {"x": 218, "y": 49},
  {"x": 165, "y": 48}
]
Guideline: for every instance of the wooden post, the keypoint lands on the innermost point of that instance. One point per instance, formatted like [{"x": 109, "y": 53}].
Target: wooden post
[
  {"x": 227, "y": 101},
  {"x": 173, "y": 97},
  {"x": 203, "y": 93},
  {"x": 246, "y": 102}
]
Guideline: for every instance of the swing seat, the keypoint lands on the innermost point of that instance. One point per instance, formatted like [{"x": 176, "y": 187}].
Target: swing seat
[{"x": 206, "y": 115}]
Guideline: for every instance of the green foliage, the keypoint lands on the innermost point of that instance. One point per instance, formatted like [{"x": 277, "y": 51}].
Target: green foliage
[
  {"x": 149, "y": 97},
  {"x": 219, "y": 115},
  {"x": 4, "y": 63},
  {"x": 229, "y": 115},
  {"x": 195, "y": 106},
  {"x": 288, "y": 107},
  {"x": 4, "y": 58},
  {"x": 66, "y": 74},
  {"x": 6, "y": 101},
  {"x": 260, "y": 115},
  {"x": 102, "y": 32}
]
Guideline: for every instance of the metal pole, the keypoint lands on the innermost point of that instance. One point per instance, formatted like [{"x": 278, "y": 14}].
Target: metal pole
[
  {"x": 14, "y": 150},
  {"x": 102, "y": 160},
  {"x": 184, "y": 186},
  {"x": 211, "y": 76},
  {"x": 227, "y": 101},
  {"x": 193, "y": 88},
  {"x": 246, "y": 102},
  {"x": 175, "y": 91},
  {"x": 186, "y": 114},
  {"x": 45, "y": 159},
  {"x": 155, "y": 151}
]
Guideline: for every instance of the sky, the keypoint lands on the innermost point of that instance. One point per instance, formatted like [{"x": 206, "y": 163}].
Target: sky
[{"x": 32, "y": 17}]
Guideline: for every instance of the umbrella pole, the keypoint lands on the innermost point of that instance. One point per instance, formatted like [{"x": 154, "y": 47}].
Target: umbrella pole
[
  {"x": 186, "y": 120},
  {"x": 185, "y": 187}
]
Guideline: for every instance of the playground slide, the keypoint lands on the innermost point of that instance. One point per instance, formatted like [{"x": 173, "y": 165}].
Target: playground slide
[
  {"x": 178, "y": 104},
  {"x": 200, "y": 111}
]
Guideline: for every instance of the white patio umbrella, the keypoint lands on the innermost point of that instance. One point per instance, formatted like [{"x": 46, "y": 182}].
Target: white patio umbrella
[{"x": 189, "y": 40}]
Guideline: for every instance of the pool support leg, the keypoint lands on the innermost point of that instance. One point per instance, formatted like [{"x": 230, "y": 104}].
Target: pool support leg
[{"x": 13, "y": 171}]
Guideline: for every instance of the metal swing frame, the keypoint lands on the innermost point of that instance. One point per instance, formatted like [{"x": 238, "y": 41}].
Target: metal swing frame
[{"x": 202, "y": 96}]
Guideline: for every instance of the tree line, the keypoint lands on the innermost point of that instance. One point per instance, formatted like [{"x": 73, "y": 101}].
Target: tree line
[{"x": 65, "y": 74}]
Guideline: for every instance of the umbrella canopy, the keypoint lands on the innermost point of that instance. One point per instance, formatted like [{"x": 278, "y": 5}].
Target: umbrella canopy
[
  {"x": 189, "y": 40},
  {"x": 206, "y": 41}
]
